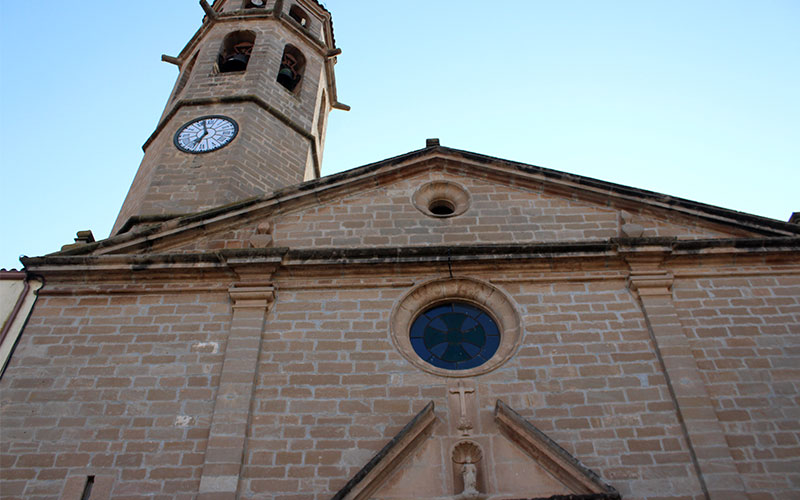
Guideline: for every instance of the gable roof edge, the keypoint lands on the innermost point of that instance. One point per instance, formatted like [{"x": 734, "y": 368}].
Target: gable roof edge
[
  {"x": 550, "y": 455},
  {"x": 372, "y": 475},
  {"x": 359, "y": 175},
  {"x": 711, "y": 213}
]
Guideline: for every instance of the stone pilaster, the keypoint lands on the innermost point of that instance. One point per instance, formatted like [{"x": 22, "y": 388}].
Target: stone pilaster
[
  {"x": 229, "y": 424},
  {"x": 713, "y": 463}
]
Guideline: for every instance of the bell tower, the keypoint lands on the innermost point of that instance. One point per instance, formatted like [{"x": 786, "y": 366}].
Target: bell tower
[{"x": 248, "y": 112}]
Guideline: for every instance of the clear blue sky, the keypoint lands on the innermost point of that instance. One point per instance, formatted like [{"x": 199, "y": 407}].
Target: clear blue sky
[{"x": 698, "y": 99}]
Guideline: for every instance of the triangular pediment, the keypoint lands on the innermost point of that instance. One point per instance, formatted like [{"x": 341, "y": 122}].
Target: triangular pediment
[
  {"x": 380, "y": 205},
  {"x": 385, "y": 463},
  {"x": 550, "y": 456},
  {"x": 517, "y": 461}
]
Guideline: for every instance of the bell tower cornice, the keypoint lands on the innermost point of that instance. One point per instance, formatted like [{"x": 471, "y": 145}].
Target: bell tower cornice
[{"x": 323, "y": 46}]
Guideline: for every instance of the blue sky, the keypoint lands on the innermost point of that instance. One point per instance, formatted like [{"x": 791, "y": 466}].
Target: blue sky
[{"x": 697, "y": 99}]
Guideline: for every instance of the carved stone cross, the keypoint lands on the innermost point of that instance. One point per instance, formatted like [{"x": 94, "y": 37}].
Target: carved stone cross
[{"x": 464, "y": 424}]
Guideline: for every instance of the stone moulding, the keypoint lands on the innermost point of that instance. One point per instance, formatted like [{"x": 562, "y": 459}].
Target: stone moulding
[
  {"x": 483, "y": 295},
  {"x": 244, "y": 296},
  {"x": 555, "y": 459},
  {"x": 92, "y": 260},
  {"x": 386, "y": 461},
  {"x": 442, "y": 191}
]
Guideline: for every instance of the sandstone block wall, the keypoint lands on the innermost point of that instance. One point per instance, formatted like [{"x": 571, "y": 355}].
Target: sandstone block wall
[
  {"x": 385, "y": 216},
  {"x": 115, "y": 385},
  {"x": 120, "y": 381},
  {"x": 744, "y": 332}
]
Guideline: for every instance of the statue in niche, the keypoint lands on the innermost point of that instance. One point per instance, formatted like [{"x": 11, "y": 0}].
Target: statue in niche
[
  {"x": 469, "y": 474},
  {"x": 467, "y": 455}
]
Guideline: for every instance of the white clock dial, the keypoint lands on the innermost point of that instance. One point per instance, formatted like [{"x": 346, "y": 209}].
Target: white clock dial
[{"x": 206, "y": 134}]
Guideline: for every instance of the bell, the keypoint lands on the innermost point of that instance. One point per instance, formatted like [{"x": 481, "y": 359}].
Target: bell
[
  {"x": 286, "y": 77},
  {"x": 235, "y": 62}
]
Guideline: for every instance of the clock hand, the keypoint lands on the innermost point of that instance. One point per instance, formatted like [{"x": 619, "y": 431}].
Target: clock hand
[
  {"x": 196, "y": 141},
  {"x": 205, "y": 133}
]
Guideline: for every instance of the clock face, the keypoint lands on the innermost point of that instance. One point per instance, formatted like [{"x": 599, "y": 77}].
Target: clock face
[{"x": 206, "y": 134}]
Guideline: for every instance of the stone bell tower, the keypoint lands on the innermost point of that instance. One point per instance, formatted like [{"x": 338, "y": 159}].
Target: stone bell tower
[{"x": 247, "y": 114}]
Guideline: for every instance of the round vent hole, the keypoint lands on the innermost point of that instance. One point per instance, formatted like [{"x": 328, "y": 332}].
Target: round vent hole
[
  {"x": 441, "y": 199},
  {"x": 442, "y": 207}
]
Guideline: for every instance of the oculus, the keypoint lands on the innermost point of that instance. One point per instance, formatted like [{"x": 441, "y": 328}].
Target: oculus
[
  {"x": 206, "y": 134},
  {"x": 441, "y": 199},
  {"x": 455, "y": 327},
  {"x": 455, "y": 336}
]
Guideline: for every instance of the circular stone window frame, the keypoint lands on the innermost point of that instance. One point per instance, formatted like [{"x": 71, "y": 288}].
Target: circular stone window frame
[
  {"x": 441, "y": 193},
  {"x": 488, "y": 298}
]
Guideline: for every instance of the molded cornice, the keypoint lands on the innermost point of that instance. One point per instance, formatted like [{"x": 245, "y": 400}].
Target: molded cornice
[{"x": 600, "y": 254}]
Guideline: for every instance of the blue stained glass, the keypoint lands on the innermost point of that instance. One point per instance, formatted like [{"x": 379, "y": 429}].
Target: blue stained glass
[
  {"x": 492, "y": 343},
  {"x": 417, "y": 344},
  {"x": 488, "y": 324},
  {"x": 472, "y": 350},
  {"x": 433, "y": 312},
  {"x": 439, "y": 350},
  {"x": 455, "y": 336},
  {"x": 417, "y": 330},
  {"x": 471, "y": 363},
  {"x": 465, "y": 309},
  {"x": 437, "y": 323}
]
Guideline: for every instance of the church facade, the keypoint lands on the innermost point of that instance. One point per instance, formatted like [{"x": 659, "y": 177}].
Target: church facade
[{"x": 436, "y": 325}]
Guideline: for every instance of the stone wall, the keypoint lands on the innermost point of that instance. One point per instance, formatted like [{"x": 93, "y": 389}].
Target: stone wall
[
  {"x": 118, "y": 385},
  {"x": 744, "y": 331},
  {"x": 120, "y": 380},
  {"x": 386, "y": 216}
]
